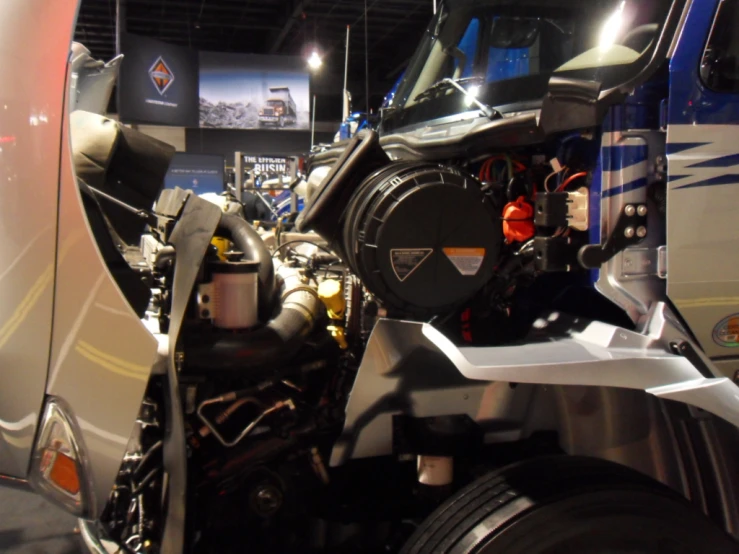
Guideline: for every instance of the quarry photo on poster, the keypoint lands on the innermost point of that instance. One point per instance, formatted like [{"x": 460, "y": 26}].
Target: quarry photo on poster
[{"x": 241, "y": 91}]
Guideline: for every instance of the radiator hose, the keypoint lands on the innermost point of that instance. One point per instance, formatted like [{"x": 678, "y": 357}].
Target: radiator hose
[{"x": 275, "y": 343}]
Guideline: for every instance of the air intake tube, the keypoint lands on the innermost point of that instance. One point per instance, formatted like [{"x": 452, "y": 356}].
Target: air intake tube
[
  {"x": 247, "y": 240},
  {"x": 274, "y": 343}
]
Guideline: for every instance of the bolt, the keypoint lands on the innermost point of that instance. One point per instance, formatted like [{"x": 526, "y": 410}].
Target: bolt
[
  {"x": 205, "y": 299},
  {"x": 641, "y": 232},
  {"x": 629, "y": 210},
  {"x": 629, "y": 232},
  {"x": 205, "y": 313},
  {"x": 642, "y": 210},
  {"x": 267, "y": 500}
]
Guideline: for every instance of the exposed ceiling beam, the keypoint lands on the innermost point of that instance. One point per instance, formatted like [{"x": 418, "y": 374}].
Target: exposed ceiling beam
[
  {"x": 234, "y": 9},
  {"x": 297, "y": 10}
]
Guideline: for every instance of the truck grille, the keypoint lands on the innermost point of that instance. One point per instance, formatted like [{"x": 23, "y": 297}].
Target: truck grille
[{"x": 268, "y": 111}]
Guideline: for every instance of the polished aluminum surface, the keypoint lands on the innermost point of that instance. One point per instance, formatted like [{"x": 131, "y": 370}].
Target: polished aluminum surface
[
  {"x": 575, "y": 352},
  {"x": 627, "y": 279},
  {"x": 402, "y": 372},
  {"x": 599, "y": 387},
  {"x": 92, "y": 540},
  {"x": 34, "y": 43}
]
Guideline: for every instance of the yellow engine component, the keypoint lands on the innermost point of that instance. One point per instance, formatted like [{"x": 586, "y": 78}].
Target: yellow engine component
[
  {"x": 331, "y": 292},
  {"x": 223, "y": 246},
  {"x": 339, "y": 336}
]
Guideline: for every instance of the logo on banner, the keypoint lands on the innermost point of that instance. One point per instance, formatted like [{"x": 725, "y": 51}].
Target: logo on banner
[{"x": 161, "y": 75}]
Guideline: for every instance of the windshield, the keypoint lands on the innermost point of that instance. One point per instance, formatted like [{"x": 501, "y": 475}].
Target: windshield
[
  {"x": 505, "y": 52},
  {"x": 276, "y": 103}
]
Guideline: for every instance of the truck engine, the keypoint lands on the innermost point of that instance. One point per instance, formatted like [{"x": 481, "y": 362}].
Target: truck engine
[
  {"x": 455, "y": 298},
  {"x": 278, "y": 323}
]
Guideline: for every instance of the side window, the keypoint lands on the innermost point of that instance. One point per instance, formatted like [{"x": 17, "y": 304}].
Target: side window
[
  {"x": 514, "y": 48},
  {"x": 468, "y": 47},
  {"x": 720, "y": 64}
]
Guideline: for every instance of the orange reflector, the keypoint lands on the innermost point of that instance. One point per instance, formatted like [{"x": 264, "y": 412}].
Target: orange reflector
[{"x": 63, "y": 473}]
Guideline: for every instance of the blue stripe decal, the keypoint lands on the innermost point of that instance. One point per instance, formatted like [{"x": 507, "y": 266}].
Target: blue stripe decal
[
  {"x": 671, "y": 178},
  {"x": 620, "y": 157},
  {"x": 725, "y": 161},
  {"x": 627, "y": 187},
  {"x": 716, "y": 181},
  {"x": 677, "y": 147}
]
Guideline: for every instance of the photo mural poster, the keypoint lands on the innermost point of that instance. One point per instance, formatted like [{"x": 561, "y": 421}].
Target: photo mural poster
[
  {"x": 239, "y": 91},
  {"x": 164, "y": 84}
]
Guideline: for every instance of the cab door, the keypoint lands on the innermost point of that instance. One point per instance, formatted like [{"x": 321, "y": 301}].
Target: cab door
[{"x": 703, "y": 171}]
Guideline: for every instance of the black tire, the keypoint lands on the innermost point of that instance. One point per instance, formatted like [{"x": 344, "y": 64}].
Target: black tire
[{"x": 568, "y": 505}]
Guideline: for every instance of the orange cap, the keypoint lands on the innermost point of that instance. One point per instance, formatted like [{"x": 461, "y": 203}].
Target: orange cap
[{"x": 518, "y": 220}]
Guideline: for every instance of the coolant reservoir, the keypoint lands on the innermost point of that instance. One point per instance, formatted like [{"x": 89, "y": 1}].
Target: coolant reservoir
[{"x": 234, "y": 288}]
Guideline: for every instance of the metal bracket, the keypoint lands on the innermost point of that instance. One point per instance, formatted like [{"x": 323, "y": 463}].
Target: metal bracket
[
  {"x": 630, "y": 229},
  {"x": 644, "y": 262}
]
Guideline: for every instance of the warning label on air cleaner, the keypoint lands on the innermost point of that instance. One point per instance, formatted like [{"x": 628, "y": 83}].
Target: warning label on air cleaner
[
  {"x": 467, "y": 260},
  {"x": 407, "y": 260}
]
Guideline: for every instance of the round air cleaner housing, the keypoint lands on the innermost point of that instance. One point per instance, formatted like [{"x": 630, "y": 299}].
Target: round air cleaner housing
[{"x": 422, "y": 237}]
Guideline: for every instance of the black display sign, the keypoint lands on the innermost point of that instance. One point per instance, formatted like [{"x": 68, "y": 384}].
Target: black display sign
[
  {"x": 199, "y": 173},
  {"x": 270, "y": 167},
  {"x": 158, "y": 83}
]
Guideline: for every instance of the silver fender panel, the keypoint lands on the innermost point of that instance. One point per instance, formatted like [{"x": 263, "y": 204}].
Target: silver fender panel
[{"x": 412, "y": 368}]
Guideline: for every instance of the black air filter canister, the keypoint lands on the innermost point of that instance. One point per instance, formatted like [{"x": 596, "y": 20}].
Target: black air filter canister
[
  {"x": 422, "y": 237},
  {"x": 361, "y": 156}
]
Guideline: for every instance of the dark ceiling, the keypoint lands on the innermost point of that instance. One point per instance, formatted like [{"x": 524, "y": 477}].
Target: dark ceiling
[{"x": 275, "y": 27}]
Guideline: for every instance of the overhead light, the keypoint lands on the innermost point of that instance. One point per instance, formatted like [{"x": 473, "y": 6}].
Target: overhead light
[
  {"x": 612, "y": 27},
  {"x": 315, "y": 61},
  {"x": 472, "y": 93}
]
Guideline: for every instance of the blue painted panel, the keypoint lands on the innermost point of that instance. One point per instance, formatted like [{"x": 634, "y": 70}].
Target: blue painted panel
[
  {"x": 618, "y": 157},
  {"x": 626, "y": 187}
]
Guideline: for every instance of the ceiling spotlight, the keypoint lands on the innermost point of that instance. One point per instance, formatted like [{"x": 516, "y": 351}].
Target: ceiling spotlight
[{"x": 315, "y": 61}]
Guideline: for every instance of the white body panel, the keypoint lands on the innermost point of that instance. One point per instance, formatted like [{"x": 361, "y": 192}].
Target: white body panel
[
  {"x": 101, "y": 354},
  {"x": 34, "y": 43},
  {"x": 706, "y": 236}
]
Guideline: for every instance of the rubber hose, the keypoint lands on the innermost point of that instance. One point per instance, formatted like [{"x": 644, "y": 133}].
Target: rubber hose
[
  {"x": 275, "y": 343},
  {"x": 247, "y": 240}
]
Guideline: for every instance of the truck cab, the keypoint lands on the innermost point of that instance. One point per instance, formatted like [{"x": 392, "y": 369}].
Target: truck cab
[
  {"x": 279, "y": 109},
  {"x": 506, "y": 322}
]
